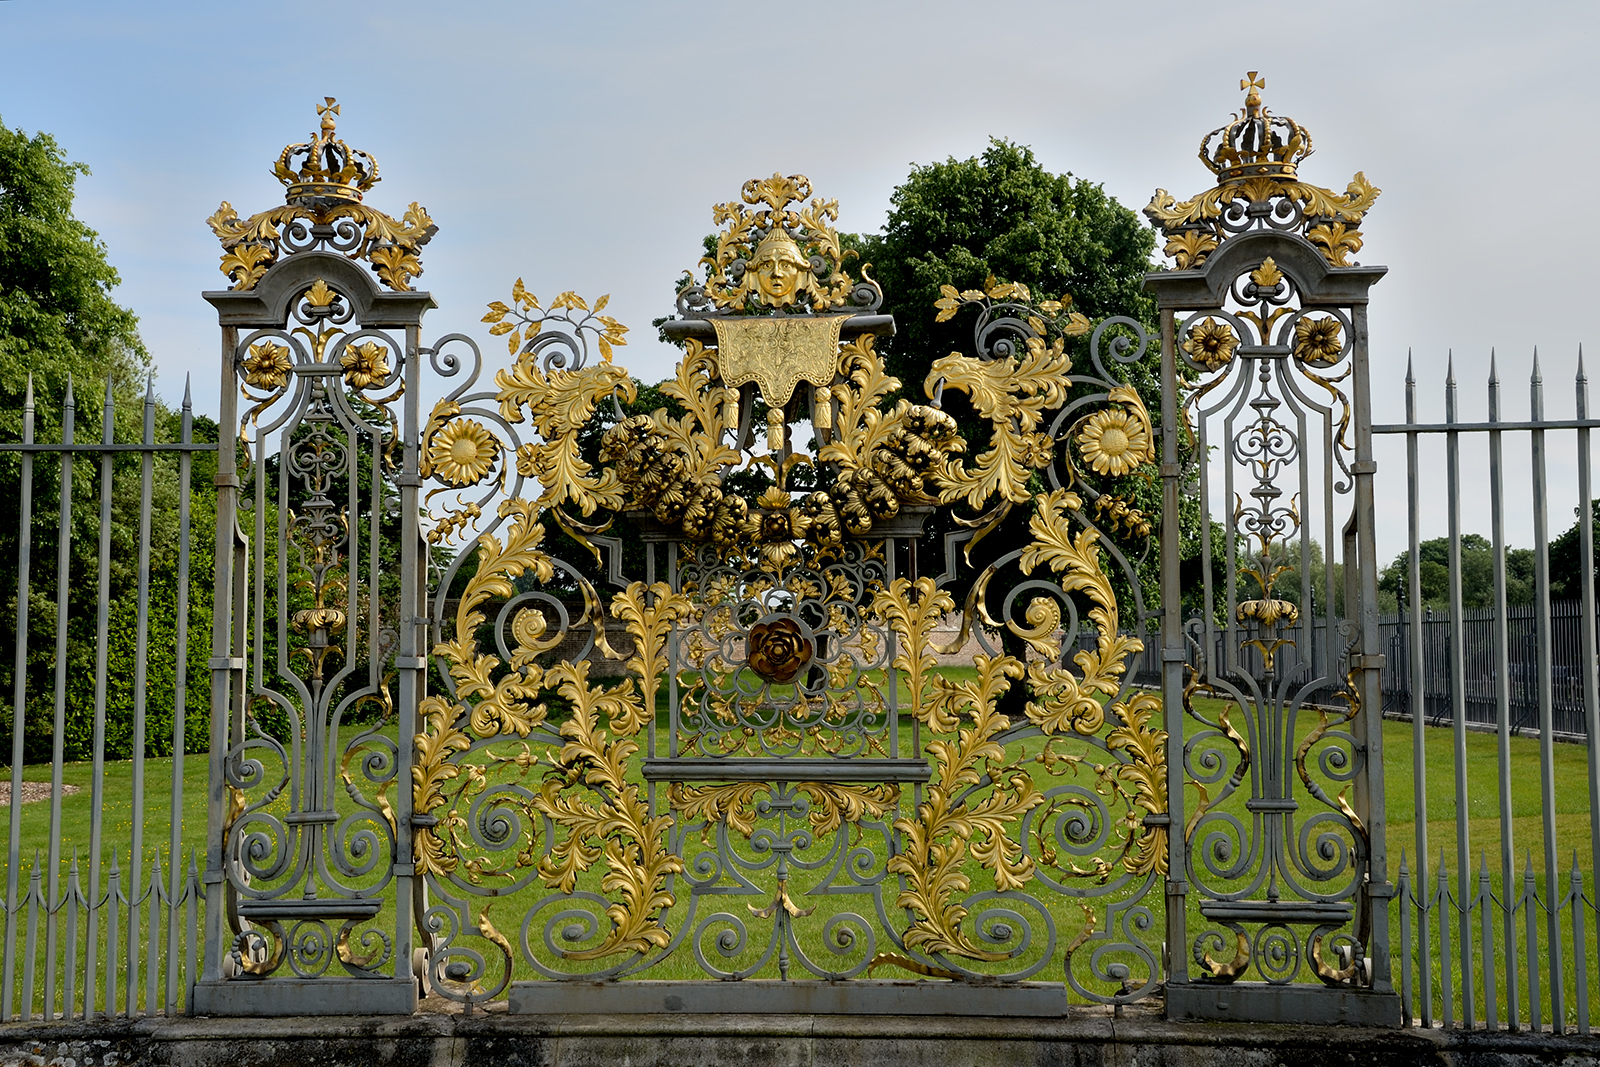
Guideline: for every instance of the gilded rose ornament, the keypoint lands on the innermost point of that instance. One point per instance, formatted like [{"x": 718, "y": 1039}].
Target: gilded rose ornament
[
  {"x": 1318, "y": 341},
  {"x": 365, "y": 364},
  {"x": 1211, "y": 343},
  {"x": 267, "y": 366},
  {"x": 778, "y": 650}
]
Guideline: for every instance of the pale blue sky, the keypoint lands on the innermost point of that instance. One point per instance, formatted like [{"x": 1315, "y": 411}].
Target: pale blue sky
[{"x": 581, "y": 145}]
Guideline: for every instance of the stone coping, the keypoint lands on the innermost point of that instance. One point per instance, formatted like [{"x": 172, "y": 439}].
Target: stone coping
[{"x": 1087, "y": 1036}]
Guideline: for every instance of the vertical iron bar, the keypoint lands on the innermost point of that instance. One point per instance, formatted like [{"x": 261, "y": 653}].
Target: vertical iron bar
[
  {"x": 24, "y": 547},
  {"x": 1419, "y": 689},
  {"x": 1491, "y": 1013},
  {"x": 69, "y": 411},
  {"x": 1173, "y": 654},
  {"x": 1591, "y": 646},
  {"x": 1547, "y": 785},
  {"x": 97, "y": 782},
  {"x": 412, "y": 660},
  {"x": 179, "y": 700},
  {"x": 141, "y": 654},
  {"x": 1458, "y": 702},
  {"x": 227, "y": 662},
  {"x": 1502, "y": 700},
  {"x": 1369, "y": 727}
]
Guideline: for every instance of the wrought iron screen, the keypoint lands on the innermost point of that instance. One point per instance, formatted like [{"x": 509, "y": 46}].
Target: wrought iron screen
[{"x": 554, "y": 688}]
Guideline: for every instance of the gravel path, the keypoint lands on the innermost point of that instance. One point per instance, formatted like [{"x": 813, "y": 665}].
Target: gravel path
[{"x": 32, "y": 791}]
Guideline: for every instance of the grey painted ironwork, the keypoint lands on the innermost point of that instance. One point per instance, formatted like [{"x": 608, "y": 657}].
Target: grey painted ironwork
[
  {"x": 326, "y": 608},
  {"x": 1524, "y": 670},
  {"x": 315, "y": 655},
  {"x": 104, "y": 951},
  {"x": 1299, "y": 893}
]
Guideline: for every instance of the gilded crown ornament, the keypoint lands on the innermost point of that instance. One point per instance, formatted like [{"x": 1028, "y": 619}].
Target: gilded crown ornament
[
  {"x": 1255, "y": 157},
  {"x": 1255, "y": 142},
  {"x": 323, "y": 210},
  {"x": 332, "y": 170}
]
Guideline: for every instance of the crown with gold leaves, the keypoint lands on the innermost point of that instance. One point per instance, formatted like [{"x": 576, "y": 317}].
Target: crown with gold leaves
[
  {"x": 1256, "y": 143},
  {"x": 330, "y": 171}
]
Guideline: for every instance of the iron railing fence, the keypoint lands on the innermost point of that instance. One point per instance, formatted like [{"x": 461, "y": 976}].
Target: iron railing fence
[
  {"x": 101, "y": 921},
  {"x": 1481, "y": 668},
  {"x": 102, "y": 887},
  {"x": 1495, "y": 928}
]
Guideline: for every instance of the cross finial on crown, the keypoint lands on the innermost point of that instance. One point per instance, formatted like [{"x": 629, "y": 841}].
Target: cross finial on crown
[
  {"x": 327, "y": 111},
  {"x": 1255, "y": 83}
]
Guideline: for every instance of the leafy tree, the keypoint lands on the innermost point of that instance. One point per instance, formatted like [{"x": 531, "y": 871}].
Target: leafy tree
[
  {"x": 59, "y": 324},
  {"x": 57, "y": 318},
  {"x": 1477, "y": 573},
  {"x": 1001, "y": 214},
  {"x": 1566, "y": 566}
]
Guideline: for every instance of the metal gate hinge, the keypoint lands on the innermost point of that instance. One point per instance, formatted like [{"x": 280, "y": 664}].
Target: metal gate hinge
[
  {"x": 1366, "y": 466},
  {"x": 1371, "y": 662},
  {"x": 1174, "y": 655}
]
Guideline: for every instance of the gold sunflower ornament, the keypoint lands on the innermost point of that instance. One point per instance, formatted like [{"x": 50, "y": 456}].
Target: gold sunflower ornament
[
  {"x": 1211, "y": 343},
  {"x": 1114, "y": 443},
  {"x": 462, "y": 452},
  {"x": 1318, "y": 341}
]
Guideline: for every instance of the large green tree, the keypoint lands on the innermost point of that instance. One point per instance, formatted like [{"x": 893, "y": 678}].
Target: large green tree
[
  {"x": 1000, "y": 214},
  {"x": 1003, "y": 215},
  {"x": 57, "y": 316},
  {"x": 58, "y": 324}
]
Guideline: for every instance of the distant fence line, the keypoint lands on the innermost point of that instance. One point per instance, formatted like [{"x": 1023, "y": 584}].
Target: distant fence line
[{"x": 1477, "y": 625}]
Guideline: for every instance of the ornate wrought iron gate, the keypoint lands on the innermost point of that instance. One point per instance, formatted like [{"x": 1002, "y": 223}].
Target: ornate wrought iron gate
[
  {"x": 1264, "y": 339},
  {"x": 536, "y": 695}
]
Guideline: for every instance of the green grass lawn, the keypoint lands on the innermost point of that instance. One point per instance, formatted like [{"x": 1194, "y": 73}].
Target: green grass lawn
[{"x": 1572, "y": 837}]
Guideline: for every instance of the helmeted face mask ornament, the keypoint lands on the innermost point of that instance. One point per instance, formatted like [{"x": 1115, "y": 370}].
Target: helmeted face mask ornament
[{"x": 777, "y": 264}]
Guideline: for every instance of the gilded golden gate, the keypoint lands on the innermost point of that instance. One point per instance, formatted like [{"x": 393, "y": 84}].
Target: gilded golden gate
[{"x": 530, "y": 696}]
